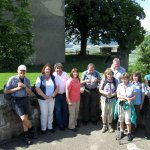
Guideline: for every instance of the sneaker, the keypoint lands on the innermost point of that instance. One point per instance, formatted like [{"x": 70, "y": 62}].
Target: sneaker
[
  {"x": 129, "y": 137},
  {"x": 77, "y": 126},
  {"x": 27, "y": 140},
  {"x": 110, "y": 128},
  {"x": 43, "y": 132},
  {"x": 104, "y": 129},
  {"x": 74, "y": 130},
  {"x": 51, "y": 130}
]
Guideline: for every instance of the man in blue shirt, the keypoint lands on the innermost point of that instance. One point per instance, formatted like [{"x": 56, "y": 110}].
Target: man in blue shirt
[
  {"x": 117, "y": 69},
  {"x": 90, "y": 79},
  {"x": 19, "y": 88}
]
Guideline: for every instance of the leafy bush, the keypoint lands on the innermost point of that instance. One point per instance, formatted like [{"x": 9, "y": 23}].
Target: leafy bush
[
  {"x": 143, "y": 63},
  {"x": 15, "y": 33}
]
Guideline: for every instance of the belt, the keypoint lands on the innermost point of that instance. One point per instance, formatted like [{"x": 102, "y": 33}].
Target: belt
[
  {"x": 61, "y": 93},
  {"x": 18, "y": 98},
  {"x": 91, "y": 89},
  {"x": 107, "y": 97}
]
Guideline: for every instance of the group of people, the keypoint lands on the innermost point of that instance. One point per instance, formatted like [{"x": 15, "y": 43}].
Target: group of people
[{"x": 62, "y": 97}]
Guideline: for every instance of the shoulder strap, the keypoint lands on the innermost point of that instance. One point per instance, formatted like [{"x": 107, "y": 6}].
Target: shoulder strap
[
  {"x": 114, "y": 83},
  {"x": 41, "y": 80},
  {"x": 105, "y": 82},
  {"x": 53, "y": 79}
]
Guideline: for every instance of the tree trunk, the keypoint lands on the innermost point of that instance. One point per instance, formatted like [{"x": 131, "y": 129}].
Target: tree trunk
[
  {"x": 124, "y": 59},
  {"x": 83, "y": 43}
]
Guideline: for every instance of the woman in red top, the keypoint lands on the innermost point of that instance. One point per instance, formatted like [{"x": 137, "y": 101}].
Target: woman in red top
[{"x": 73, "y": 98}]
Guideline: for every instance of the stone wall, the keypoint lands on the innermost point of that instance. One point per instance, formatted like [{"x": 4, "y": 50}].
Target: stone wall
[{"x": 10, "y": 124}]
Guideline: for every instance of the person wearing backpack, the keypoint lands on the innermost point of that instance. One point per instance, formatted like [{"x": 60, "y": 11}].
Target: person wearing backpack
[
  {"x": 140, "y": 95},
  {"x": 19, "y": 89},
  {"x": 108, "y": 87},
  {"x": 47, "y": 89},
  {"x": 126, "y": 94}
]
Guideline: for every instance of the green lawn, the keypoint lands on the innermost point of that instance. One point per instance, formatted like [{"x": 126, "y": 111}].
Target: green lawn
[{"x": 80, "y": 62}]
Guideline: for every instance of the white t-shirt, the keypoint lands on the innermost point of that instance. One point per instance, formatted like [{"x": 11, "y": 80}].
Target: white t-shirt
[
  {"x": 126, "y": 91},
  {"x": 61, "y": 81}
]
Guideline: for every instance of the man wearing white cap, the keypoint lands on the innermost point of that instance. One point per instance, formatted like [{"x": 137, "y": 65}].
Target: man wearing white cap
[{"x": 19, "y": 88}]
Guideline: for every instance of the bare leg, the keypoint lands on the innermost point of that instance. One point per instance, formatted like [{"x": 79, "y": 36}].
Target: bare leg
[
  {"x": 129, "y": 128},
  {"x": 26, "y": 122}
]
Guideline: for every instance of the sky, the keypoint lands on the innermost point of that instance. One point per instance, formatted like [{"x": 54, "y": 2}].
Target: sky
[{"x": 146, "y": 5}]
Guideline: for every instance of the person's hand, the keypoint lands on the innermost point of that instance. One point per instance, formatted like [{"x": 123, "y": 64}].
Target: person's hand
[
  {"x": 109, "y": 95},
  {"x": 88, "y": 81},
  {"x": 141, "y": 106},
  {"x": 130, "y": 102},
  {"x": 47, "y": 97},
  {"x": 94, "y": 79},
  {"x": 20, "y": 84},
  {"x": 69, "y": 103}
]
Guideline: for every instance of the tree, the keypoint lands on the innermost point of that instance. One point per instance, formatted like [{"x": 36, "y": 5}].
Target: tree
[
  {"x": 103, "y": 20},
  {"x": 15, "y": 33},
  {"x": 142, "y": 63},
  {"x": 144, "y": 53}
]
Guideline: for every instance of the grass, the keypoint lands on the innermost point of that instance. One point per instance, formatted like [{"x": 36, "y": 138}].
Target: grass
[{"x": 79, "y": 62}]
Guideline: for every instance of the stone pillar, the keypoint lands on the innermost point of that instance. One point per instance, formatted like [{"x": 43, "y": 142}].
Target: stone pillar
[{"x": 49, "y": 31}]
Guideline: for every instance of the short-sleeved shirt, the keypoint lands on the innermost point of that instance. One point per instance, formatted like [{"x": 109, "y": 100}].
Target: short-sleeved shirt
[
  {"x": 140, "y": 88},
  {"x": 147, "y": 77},
  {"x": 13, "y": 83},
  {"x": 73, "y": 86},
  {"x": 49, "y": 85},
  {"x": 118, "y": 73},
  {"x": 86, "y": 75},
  {"x": 126, "y": 91},
  {"x": 61, "y": 81}
]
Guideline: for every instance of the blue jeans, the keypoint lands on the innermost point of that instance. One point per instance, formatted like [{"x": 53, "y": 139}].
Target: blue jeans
[{"x": 61, "y": 110}]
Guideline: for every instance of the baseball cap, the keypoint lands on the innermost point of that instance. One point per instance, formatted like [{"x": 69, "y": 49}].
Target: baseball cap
[{"x": 22, "y": 67}]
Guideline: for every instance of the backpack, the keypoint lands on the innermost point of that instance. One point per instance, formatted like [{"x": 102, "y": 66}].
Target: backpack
[
  {"x": 114, "y": 83},
  {"x": 6, "y": 96}
]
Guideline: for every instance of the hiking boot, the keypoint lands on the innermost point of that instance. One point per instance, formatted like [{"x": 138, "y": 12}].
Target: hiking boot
[
  {"x": 34, "y": 133},
  {"x": 129, "y": 137},
  {"x": 104, "y": 129},
  {"x": 110, "y": 128},
  {"x": 27, "y": 140}
]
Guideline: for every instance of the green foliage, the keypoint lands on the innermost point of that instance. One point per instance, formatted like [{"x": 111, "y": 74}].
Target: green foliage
[
  {"x": 15, "y": 33},
  {"x": 143, "y": 62},
  {"x": 105, "y": 20},
  {"x": 144, "y": 53}
]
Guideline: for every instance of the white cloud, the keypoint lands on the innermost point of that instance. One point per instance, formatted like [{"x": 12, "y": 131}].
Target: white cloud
[{"x": 146, "y": 22}]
